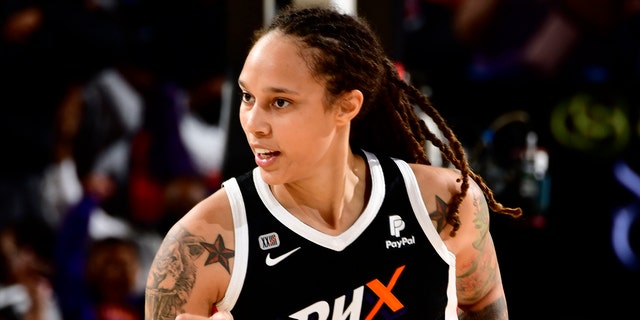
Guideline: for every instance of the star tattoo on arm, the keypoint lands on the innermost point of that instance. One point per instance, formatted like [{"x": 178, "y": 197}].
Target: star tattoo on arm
[
  {"x": 218, "y": 253},
  {"x": 440, "y": 214}
]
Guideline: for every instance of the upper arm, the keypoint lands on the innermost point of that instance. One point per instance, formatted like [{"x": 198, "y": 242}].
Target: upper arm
[
  {"x": 478, "y": 280},
  {"x": 191, "y": 269},
  {"x": 478, "y": 275}
]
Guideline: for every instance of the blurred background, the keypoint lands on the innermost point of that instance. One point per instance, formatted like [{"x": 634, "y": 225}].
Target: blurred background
[{"x": 117, "y": 116}]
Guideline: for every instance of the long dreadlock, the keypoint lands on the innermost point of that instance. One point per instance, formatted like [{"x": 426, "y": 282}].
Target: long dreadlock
[{"x": 346, "y": 54}]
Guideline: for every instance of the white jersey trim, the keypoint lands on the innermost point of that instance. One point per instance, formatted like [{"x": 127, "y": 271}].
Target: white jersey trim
[
  {"x": 341, "y": 241},
  {"x": 241, "y": 257},
  {"x": 337, "y": 243},
  {"x": 422, "y": 215}
]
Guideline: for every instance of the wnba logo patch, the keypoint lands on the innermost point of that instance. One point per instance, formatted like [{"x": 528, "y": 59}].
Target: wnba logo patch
[{"x": 269, "y": 240}]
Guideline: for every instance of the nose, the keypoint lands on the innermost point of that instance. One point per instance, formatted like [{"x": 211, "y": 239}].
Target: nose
[{"x": 254, "y": 120}]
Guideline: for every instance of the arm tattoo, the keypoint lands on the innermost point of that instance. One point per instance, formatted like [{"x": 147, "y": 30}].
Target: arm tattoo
[
  {"x": 494, "y": 311},
  {"x": 478, "y": 277},
  {"x": 172, "y": 275},
  {"x": 481, "y": 221},
  {"x": 439, "y": 216},
  {"x": 481, "y": 274},
  {"x": 218, "y": 253}
]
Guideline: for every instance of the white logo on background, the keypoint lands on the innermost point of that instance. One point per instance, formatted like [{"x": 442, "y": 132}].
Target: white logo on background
[
  {"x": 395, "y": 225},
  {"x": 273, "y": 261}
]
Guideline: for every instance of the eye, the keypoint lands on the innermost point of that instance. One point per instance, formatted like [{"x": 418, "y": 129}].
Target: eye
[
  {"x": 280, "y": 103},
  {"x": 246, "y": 97}
]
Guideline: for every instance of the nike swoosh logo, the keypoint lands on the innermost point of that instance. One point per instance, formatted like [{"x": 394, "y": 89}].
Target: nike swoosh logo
[{"x": 273, "y": 261}]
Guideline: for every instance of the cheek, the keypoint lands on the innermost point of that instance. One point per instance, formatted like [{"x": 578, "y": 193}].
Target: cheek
[
  {"x": 307, "y": 137},
  {"x": 247, "y": 127},
  {"x": 242, "y": 117}
]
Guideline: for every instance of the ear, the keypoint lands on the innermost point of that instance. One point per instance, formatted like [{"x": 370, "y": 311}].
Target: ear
[{"x": 349, "y": 105}]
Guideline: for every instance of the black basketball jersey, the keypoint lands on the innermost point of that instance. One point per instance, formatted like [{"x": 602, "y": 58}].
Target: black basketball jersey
[{"x": 390, "y": 264}]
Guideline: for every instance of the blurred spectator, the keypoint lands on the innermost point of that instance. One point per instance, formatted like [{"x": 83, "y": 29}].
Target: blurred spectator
[
  {"x": 30, "y": 99},
  {"x": 46, "y": 50},
  {"x": 164, "y": 180},
  {"x": 116, "y": 124},
  {"x": 80, "y": 246},
  {"x": 26, "y": 271},
  {"x": 88, "y": 184},
  {"x": 537, "y": 37},
  {"x": 177, "y": 155},
  {"x": 137, "y": 141},
  {"x": 113, "y": 265},
  {"x": 112, "y": 111}
]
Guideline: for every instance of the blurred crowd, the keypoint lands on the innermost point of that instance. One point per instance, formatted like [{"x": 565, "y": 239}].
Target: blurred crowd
[
  {"x": 113, "y": 127},
  {"x": 558, "y": 77},
  {"x": 115, "y": 121}
]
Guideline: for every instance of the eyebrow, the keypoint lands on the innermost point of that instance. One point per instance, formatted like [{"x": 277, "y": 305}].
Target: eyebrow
[{"x": 272, "y": 89}]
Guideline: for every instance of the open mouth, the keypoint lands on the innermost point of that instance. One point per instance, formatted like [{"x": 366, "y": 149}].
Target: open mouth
[{"x": 265, "y": 153}]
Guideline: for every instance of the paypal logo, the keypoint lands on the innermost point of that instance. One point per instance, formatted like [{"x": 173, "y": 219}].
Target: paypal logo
[{"x": 396, "y": 224}]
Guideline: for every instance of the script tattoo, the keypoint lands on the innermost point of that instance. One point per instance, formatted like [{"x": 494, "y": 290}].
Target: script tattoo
[{"x": 172, "y": 275}]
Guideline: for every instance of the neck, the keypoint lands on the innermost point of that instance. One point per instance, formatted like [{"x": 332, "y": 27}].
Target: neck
[{"x": 333, "y": 200}]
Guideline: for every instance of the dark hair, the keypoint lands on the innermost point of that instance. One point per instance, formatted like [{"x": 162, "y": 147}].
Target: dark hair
[{"x": 348, "y": 55}]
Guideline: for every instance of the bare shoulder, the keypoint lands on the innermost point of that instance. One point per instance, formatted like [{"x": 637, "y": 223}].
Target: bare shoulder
[
  {"x": 479, "y": 285},
  {"x": 444, "y": 180},
  {"x": 437, "y": 186},
  {"x": 200, "y": 246}
]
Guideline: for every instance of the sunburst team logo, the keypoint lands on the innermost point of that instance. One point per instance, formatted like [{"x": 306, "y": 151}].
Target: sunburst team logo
[{"x": 396, "y": 224}]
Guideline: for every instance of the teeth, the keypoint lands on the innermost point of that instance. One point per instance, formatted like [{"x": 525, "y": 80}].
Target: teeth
[{"x": 265, "y": 153}]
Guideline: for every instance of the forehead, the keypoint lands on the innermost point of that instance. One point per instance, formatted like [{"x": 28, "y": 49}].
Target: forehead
[
  {"x": 275, "y": 54},
  {"x": 275, "y": 42}
]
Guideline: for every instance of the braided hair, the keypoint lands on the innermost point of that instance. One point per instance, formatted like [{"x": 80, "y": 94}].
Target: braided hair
[{"x": 345, "y": 53}]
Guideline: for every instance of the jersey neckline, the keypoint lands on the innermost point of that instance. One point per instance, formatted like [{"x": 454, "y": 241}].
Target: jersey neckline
[{"x": 337, "y": 242}]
